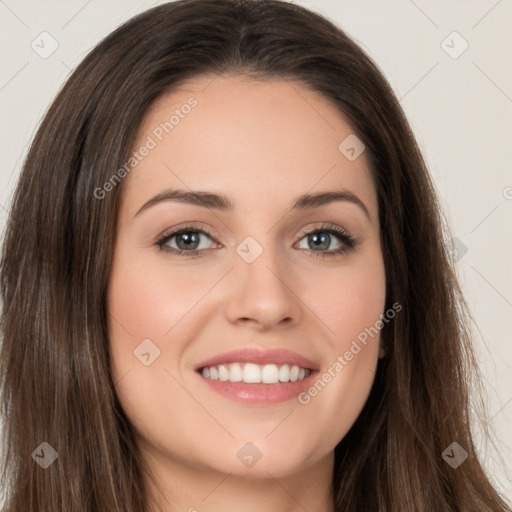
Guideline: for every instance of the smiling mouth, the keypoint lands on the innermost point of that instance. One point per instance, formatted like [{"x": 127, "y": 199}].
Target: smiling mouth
[{"x": 251, "y": 373}]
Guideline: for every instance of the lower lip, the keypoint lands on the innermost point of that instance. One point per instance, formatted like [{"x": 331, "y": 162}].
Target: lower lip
[{"x": 263, "y": 394}]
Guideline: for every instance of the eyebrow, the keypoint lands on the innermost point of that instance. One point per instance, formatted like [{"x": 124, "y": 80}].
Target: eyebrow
[{"x": 221, "y": 202}]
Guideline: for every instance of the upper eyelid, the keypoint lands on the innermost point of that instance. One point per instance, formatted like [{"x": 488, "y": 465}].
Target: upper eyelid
[{"x": 173, "y": 232}]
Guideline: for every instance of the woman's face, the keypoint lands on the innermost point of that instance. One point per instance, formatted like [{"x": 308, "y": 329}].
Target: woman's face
[{"x": 270, "y": 284}]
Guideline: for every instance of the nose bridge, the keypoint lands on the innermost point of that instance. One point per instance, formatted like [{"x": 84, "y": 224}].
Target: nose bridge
[
  {"x": 261, "y": 291},
  {"x": 260, "y": 260}
]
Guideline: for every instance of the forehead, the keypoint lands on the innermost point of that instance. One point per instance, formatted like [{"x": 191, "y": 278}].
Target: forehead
[{"x": 254, "y": 140}]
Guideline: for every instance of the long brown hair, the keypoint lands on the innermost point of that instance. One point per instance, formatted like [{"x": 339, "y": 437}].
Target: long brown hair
[{"x": 56, "y": 385}]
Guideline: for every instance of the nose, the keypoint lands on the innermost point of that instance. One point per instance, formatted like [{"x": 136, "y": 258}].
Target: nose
[{"x": 263, "y": 293}]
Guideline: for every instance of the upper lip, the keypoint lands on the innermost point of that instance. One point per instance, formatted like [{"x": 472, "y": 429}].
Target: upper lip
[{"x": 251, "y": 355}]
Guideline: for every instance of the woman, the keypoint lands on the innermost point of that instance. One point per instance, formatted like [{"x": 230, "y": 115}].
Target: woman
[{"x": 225, "y": 286}]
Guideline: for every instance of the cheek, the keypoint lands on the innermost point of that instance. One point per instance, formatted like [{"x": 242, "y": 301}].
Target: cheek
[
  {"x": 144, "y": 306},
  {"x": 141, "y": 311},
  {"x": 149, "y": 306},
  {"x": 351, "y": 306},
  {"x": 349, "y": 301},
  {"x": 360, "y": 303},
  {"x": 148, "y": 299}
]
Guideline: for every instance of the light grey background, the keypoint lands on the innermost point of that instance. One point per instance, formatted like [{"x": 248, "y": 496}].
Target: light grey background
[{"x": 460, "y": 107}]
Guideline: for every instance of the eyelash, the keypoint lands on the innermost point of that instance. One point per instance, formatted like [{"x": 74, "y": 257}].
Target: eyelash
[{"x": 347, "y": 240}]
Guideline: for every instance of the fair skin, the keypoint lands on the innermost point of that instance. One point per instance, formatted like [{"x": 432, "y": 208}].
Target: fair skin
[{"x": 262, "y": 144}]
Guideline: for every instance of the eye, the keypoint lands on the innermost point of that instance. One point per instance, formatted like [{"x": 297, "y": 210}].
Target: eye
[
  {"x": 321, "y": 238},
  {"x": 186, "y": 241}
]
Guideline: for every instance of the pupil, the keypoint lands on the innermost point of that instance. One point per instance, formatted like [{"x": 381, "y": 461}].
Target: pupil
[
  {"x": 189, "y": 239},
  {"x": 322, "y": 245}
]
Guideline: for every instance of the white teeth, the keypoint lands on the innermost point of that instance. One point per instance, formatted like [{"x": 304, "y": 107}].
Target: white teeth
[
  {"x": 284, "y": 373},
  {"x": 223, "y": 373},
  {"x": 235, "y": 372},
  {"x": 251, "y": 373},
  {"x": 270, "y": 374}
]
